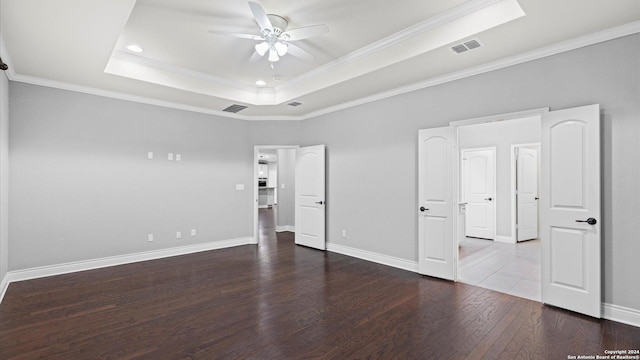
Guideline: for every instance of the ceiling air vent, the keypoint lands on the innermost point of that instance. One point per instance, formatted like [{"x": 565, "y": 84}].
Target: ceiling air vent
[
  {"x": 294, "y": 103},
  {"x": 466, "y": 46},
  {"x": 235, "y": 108}
]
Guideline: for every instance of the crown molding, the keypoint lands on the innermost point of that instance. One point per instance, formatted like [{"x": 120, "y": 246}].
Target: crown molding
[
  {"x": 159, "y": 65},
  {"x": 402, "y": 35},
  {"x": 569, "y": 45},
  {"x": 558, "y": 48}
]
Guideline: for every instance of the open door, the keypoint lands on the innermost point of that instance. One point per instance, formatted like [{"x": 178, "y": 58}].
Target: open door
[
  {"x": 435, "y": 213},
  {"x": 527, "y": 193},
  {"x": 570, "y": 209},
  {"x": 479, "y": 192},
  {"x": 310, "y": 197}
]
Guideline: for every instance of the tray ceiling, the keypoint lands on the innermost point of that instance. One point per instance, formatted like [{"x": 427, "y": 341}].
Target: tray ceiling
[{"x": 372, "y": 47}]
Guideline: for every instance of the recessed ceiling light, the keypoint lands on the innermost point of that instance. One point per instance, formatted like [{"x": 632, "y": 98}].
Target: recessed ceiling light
[
  {"x": 261, "y": 83},
  {"x": 134, "y": 48}
]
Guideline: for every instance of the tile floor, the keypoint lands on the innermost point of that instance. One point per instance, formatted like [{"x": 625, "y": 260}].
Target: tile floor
[{"x": 509, "y": 268}]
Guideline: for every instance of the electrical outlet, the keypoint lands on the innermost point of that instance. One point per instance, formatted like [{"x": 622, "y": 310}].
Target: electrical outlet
[
  {"x": 178, "y": 157},
  {"x": 344, "y": 233},
  {"x": 193, "y": 232},
  {"x": 149, "y": 237},
  {"x": 281, "y": 186},
  {"x": 150, "y": 155},
  {"x": 178, "y": 235}
]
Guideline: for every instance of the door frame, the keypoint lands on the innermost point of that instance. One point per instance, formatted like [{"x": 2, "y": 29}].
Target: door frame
[
  {"x": 462, "y": 175},
  {"x": 456, "y": 125},
  {"x": 514, "y": 169},
  {"x": 256, "y": 150}
]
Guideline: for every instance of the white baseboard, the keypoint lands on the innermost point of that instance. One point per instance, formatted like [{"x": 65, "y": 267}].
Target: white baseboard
[
  {"x": 281, "y": 228},
  {"x": 374, "y": 257},
  {"x": 59, "y": 269},
  {"x": 504, "y": 239},
  {"x": 4, "y": 285},
  {"x": 621, "y": 314}
]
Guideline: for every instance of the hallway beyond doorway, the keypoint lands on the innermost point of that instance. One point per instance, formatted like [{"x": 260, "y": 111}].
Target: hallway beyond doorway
[{"x": 512, "y": 269}]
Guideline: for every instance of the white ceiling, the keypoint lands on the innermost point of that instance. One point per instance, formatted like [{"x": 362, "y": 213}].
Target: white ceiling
[{"x": 374, "y": 46}]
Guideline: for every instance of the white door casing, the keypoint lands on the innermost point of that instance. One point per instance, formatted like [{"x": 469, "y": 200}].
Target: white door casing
[
  {"x": 436, "y": 255},
  {"x": 479, "y": 192},
  {"x": 527, "y": 193},
  {"x": 570, "y": 193},
  {"x": 310, "y": 196}
]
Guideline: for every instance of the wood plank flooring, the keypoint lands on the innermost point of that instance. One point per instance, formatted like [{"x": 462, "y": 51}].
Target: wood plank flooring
[{"x": 281, "y": 301}]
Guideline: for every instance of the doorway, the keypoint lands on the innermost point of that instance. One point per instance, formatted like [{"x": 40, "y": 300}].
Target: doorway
[
  {"x": 570, "y": 203},
  {"x": 489, "y": 254},
  {"x": 274, "y": 194}
]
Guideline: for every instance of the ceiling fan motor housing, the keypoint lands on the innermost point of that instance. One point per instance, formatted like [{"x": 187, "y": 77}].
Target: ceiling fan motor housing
[{"x": 278, "y": 23}]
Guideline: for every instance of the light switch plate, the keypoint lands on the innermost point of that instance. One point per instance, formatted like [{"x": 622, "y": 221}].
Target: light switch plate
[
  {"x": 149, "y": 237},
  {"x": 178, "y": 157},
  {"x": 240, "y": 187},
  {"x": 178, "y": 235},
  {"x": 150, "y": 155},
  {"x": 170, "y": 156},
  {"x": 193, "y": 232}
]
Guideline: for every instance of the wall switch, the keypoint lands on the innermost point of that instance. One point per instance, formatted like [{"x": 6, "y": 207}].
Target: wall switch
[
  {"x": 193, "y": 232},
  {"x": 344, "y": 233},
  {"x": 178, "y": 235},
  {"x": 150, "y": 155},
  {"x": 149, "y": 237},
  {"x": 240, "y": 187},
  {"x": 170, "y": 156},
  {"x": 281, "y": 186},
  {"x": 178, "y": 157}
]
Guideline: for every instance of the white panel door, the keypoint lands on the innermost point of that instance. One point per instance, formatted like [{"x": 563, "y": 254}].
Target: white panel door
[
  {"x": 570, "y": 209},
  {"x": 435, "y": 213},
  {"x": 527, "y": 193},
  {"x": 310, "y": 197},
  {"x": 478, "y": 192}
]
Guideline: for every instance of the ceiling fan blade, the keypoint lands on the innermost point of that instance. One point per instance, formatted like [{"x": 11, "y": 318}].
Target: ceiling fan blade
[
  {"x": 261, "y": 16},
  {"x": 242, "y": 36},
  {"x": 299, "y": 52},
  {"x": 255, "y": 57},
  {"x": 305, "y": 32}
]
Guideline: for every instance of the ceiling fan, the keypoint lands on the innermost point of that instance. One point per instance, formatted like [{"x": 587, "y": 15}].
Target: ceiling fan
[{"x": 274, "y": 37}]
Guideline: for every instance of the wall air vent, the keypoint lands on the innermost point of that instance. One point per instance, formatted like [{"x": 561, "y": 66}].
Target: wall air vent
[
  {"x": 235, "y": 108},
  {"x": 294, "y": 103},
  {"x": 466, "y": 46}
]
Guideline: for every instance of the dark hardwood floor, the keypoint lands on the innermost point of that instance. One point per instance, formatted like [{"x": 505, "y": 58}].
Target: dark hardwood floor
[{"x": 281, "y": 301}]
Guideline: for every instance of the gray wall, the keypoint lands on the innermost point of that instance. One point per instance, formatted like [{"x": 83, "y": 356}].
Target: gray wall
[
  {"x": 4, "y": 175},
  {"x": 372, "y": 150},
  {"x": 501, "y": 135},
  {"x": 83, "y": 188}
]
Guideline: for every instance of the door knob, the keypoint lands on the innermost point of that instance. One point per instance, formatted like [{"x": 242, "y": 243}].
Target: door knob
[
  {"x": 590, "y": 221},
  {"x": 320, "y": 202},
  {"x": 489, "y": 198},
  {"x": 422, "y": 208}
]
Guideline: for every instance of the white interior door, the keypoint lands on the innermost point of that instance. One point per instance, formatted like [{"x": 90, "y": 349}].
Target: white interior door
[
  {"x": 310, "y": 196},
  {"x": 527, "y": 193},
  {"x": 570, "y": 209},
  {"x": 479, "y": 192},
  {"x": 435, "y": 213}
]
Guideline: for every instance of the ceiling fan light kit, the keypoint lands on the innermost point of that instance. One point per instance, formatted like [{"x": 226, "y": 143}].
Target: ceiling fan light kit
[{"x": 274, "y": 37}]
